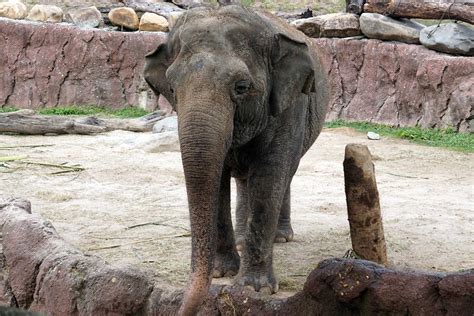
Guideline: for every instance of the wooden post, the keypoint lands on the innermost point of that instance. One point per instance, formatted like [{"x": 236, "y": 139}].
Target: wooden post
[
  {"x": 363, "y": 206},
  {"x": 422, "y": 10}
]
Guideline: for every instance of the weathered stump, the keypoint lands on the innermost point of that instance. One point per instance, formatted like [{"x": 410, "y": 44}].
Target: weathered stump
[{"x": 363, "y": 205}]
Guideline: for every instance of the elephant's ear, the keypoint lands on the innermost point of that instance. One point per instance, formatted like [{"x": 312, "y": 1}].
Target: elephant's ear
[
  {"x": 292, "y": 73},
  {"x": 156, "y": 64}
]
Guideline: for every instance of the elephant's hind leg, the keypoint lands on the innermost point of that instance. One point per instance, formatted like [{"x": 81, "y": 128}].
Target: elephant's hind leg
[
  {"x": 284, "y": 231},
  {"x": 227, "y": 260}
]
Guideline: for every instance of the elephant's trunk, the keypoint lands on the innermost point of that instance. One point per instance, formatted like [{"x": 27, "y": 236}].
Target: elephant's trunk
[{"x": 205, "y": 135}]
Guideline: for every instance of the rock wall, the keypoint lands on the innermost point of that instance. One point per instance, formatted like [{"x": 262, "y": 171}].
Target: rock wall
[
  {"x": 45, "y": 65},
  {"x": 398, "y": 84}
]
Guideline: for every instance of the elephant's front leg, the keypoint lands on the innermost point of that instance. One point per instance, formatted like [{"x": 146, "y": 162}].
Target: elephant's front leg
[
  {"x": 266, "y": 192},
  {"x": 241, "y": 213},
  {"x": 226, "y": 262}
]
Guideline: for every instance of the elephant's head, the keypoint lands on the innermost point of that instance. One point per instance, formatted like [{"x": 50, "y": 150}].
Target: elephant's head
[{"x": 228, "y": 73}]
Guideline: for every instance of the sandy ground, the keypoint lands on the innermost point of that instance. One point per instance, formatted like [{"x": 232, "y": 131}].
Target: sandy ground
[{"x": 427, "y": 198}]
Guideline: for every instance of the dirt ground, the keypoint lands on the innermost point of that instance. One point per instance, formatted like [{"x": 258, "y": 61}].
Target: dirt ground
[{"x": 129, "y": 205}]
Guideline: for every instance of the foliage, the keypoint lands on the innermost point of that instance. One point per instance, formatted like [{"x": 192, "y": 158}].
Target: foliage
[
  {"x": 128, "y": 112},
  {"x": 72, "y": 110},
  {"x": 447, "y": 138},
  {"x": 94, "y": 110},
  {"x": 7, "y": 109}
]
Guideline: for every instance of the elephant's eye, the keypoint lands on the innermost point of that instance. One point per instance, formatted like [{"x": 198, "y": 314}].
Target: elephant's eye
[{"x": 242, "y": 86}]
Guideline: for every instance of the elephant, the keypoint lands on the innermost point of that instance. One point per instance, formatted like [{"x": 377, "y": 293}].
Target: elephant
[{"x": 251, "y": 96}]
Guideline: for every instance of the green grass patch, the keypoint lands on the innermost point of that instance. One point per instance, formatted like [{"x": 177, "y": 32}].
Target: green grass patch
[
  {"x": 129, "y": 112},
  {"x": 447, "y": 138},
  {"x": 94, "y": 110},
  {"x": 72, "y": 110},
  {"x": 8, "y": 109}
]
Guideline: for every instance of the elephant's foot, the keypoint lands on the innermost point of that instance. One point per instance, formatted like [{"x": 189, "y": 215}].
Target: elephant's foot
[
  {"x": 226, "y": 265},
  {"x": 284, "y": 233},
  {"x": 261, "y": 282}
]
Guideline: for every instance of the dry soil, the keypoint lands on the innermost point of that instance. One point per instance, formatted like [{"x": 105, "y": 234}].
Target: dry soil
[{"x": 129, "y": 205}]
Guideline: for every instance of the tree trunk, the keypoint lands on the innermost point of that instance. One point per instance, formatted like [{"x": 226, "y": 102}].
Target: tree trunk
[
  {"x": 27, "y": 122},
  {"x": 363, "y": 206},
  {"x": 423, "y": 10}
]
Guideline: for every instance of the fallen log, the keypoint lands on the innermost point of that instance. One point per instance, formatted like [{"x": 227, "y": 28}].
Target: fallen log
[
  {"x": 422, "y": 10},
  {"x": 363, "y": 205},
  {"x": 27, "y": 122}
]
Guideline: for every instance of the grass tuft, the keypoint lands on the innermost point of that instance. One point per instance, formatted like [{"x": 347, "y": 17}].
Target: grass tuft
[
  {"x": 447, "y": 138},
  {"x": 129, "y": 112},
  {"x": 72, "y": 110},
  {"x": 7, "y": 109},
  {"x": 94, "y": 110}
]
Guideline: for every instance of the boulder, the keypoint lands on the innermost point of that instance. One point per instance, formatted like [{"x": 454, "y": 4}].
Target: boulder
[
  {"x": 160, "y": 8},
  {"x": 124, "y": 17},
  {"x": 153, "y": 23},
  {"x": 189, "y": 3},
  {"x": 378, "y": 26},
  {"x": 162, "y": 142},
  {"x": 451, "y": 38},
  {"x": 88, "y": 17},
  {"x": 168, "y": 124},
  {"x": 13, "y": 10},
  {"x": 329, "y": 25},
  {"x": 45, "y": 13},
  {"x": 172, "y": 18}
]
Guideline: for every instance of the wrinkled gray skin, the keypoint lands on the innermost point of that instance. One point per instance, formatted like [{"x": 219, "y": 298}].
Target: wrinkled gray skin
[{"x": 251, "y": 100}]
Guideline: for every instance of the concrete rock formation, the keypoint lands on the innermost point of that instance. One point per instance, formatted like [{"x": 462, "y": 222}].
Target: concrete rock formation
[
  {"x": 391, "y": 83},
  {"x": 87, "y": 17},
  {"x": 329, "y": 25},
  {"x": 398, "y": 84},
  {"x": 382, "y": 27},
  {"x": 451, "y": 38},
  {"x": 153, "y": 23},
  {"x": 124, "y": 17},
  {"x": 43, "y": 273},
  {"x": 45, "y": 13},
  {"x": 47, "y": 65},
  {"x": 13, "y": 10}
]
